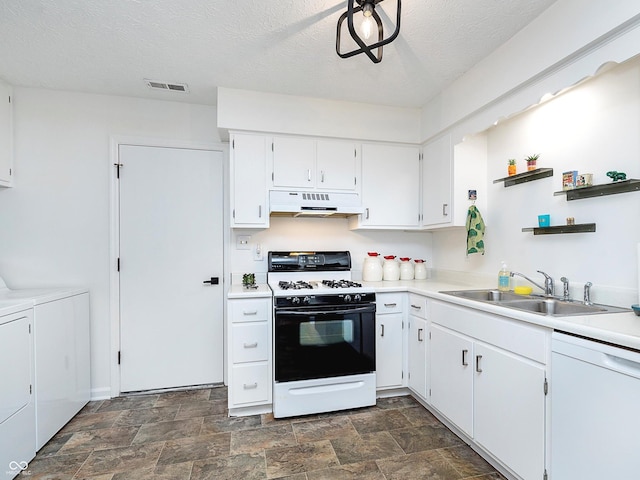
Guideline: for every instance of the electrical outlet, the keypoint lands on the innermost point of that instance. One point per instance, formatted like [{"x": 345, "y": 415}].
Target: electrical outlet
[
  {"x": 257, "y": 253},
  {"x": 243, "y": 242}
]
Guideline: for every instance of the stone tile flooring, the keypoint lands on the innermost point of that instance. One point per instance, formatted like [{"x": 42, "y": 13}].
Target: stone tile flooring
[{"x": 187, "y": 436}]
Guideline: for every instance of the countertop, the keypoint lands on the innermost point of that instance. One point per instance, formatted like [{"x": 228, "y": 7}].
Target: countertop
[{"x": 617, "y": 328}]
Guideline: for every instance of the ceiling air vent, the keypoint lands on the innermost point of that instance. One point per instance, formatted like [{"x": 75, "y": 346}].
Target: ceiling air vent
[{"x": 174, "y": 87}]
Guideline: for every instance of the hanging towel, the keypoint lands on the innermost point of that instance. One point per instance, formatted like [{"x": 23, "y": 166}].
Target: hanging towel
[{"x": 475, "y": 231}]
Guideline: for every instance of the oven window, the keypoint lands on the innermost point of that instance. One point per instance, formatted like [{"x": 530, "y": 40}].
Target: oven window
[
  {"x": 322, "y": 345},
  {"x": 319, "y": 334}
]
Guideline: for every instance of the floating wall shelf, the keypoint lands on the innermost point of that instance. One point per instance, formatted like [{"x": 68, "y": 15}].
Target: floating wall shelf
[
  {"x": 622, "y": 186},
  {"x": 559, "y": 229},
  {"x": 525, "y": 177}
]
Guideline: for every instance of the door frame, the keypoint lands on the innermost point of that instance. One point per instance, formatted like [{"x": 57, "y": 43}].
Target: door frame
[{"x": 114, "y": 236}]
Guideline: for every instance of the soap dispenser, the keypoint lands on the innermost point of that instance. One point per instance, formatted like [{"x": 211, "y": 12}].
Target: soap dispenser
[{"x": 504, "y": 277}]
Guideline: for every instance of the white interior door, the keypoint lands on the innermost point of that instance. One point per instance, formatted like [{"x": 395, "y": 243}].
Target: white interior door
[{"x": 171, "y": 241}]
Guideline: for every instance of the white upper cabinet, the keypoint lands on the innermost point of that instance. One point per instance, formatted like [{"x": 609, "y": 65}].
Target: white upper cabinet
[
  {"x": 437, "y": 162},
  {"x": 390, "y": 187},
  {"x": 337, "y": 165},
  {"x": 6, "y": 136},
  {"x": 249, "y": 196},
  {"x": 450, "y": 174},
  {"x": 308, "y": 163}
]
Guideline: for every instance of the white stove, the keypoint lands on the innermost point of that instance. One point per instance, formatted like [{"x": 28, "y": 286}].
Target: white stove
[{"x": 324, "y": 334}]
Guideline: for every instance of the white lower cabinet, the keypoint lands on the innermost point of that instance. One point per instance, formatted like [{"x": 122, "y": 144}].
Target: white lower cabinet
[
  {"x": 249, "y": 346},
  {"x": 488, "y": 378},
  {"x": 389, "y": 340},
  {"x": 417, "y": 346}
]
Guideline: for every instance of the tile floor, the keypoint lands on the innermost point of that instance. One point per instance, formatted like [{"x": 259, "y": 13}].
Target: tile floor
[{"x": 188, "y": 436}]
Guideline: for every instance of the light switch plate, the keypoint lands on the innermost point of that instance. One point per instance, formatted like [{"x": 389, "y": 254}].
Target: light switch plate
[{"x": 243, "y": 242}]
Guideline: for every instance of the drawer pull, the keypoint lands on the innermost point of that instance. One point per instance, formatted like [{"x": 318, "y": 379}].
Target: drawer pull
[
  {"x": 464, "y": 358},
  {"x": 252, "y": 312},
  {"x": 390, "y": 305},
  {"x": 478, "y": 369},
  {"x": 250, "y": 386},
  {"x": 251, "y": 345},
  {"x": 417, "y": 307}
]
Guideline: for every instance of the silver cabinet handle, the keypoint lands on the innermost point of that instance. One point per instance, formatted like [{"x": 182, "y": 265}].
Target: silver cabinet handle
[
  {"x": 309, "y": 174},
  {"x": 250, "y": 386},
  {"x": 259, "y": 211},
  {"x": 464, "y": 358},
  {"x": 390, "y": 305},
  {"x": 322, "y": 176},
  {"x": 478, "y": 369},
  {"x": 253, "y": 312},
  {"x": 419, "y": 335},
  {"x": 444, "y": 209},
  {"x": 251, "y": 345},
  {"x": 417, "y": 307},
  {"x": 366, "y": 213},
  {"x": 382, "y": 330}
]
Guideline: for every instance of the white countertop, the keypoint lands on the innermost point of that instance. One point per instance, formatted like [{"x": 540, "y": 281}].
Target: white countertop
[{"x": 618, "y": 328}]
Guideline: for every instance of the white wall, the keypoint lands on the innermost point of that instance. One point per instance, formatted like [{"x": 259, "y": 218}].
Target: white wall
[
  {"x": 327, "y": 234},
  {"x": 592, "y": 128},
  {"x": 55, "y": 221},
  {"x": 269, "y": 112}
]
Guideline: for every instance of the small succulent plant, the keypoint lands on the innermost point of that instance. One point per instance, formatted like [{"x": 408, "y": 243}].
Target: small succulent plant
[
  {"x": 532, "y": 158},
  {"x": 512, "y": 161}
]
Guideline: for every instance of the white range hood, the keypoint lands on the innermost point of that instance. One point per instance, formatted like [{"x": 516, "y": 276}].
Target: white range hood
[{"x": 316, "y": 204}]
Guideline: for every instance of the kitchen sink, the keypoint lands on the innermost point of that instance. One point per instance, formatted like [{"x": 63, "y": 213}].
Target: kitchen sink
[
  {"x": 534, "y": 303},
  {"x": 485, "y": 295}
]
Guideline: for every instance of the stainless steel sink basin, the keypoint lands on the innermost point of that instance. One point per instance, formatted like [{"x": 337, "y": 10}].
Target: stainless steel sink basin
[
  {"x": 485, "y": 295},
  {"x": 534, "y": 303}
]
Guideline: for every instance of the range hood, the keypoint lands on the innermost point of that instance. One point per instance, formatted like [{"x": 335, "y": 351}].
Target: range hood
[{"x": 314, "y": 204}]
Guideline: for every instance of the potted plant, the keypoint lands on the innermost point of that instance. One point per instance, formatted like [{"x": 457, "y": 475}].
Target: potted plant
[
  {"x": 531, "y": 161},
  {"x": 511, "y": 168}
]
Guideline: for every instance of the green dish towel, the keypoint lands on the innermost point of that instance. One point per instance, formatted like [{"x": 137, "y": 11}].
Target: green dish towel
[{"x": 475, "y": 231}]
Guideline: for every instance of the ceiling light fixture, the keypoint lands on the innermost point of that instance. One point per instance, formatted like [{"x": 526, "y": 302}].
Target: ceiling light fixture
[{"x": 368, "y": 9}]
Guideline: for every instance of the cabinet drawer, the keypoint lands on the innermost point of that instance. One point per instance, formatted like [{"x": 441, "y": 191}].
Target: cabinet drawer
[
  {"x": 250, "y": 342},
  {"x": 250, "y": 384},
  {"x": 250, "y": 310},
  {"x": 389, "y": 303},
  {"x": 418, "y": 305}
]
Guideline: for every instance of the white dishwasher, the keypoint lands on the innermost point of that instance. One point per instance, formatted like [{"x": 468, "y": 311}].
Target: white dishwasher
[{"x": 595, "y": 410}]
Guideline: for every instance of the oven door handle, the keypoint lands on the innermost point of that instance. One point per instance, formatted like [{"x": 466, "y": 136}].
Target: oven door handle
[{"x": 327, "y": 312}]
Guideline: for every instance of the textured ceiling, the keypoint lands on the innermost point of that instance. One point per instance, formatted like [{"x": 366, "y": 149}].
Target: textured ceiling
[{"x": 281, "y": 46}]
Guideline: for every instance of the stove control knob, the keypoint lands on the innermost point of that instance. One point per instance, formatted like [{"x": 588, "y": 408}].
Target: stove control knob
[
  {"x": 295, "y": 300},
  {"x": 357, "y": 297},
  {"x": 306, "y": 300},
  {"x": 347, "y": 298}
]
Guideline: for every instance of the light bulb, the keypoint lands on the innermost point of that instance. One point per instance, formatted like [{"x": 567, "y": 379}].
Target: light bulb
[
  {"x": 367, "y": 22},
  {"x": 367, "y": 27}
]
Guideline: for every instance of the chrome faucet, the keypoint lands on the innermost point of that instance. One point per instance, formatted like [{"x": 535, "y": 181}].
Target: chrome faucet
[
  {"x": 587, "y": 293},
  {"x": 548, "y": 282},
  {"x": 565, "y": 289}
]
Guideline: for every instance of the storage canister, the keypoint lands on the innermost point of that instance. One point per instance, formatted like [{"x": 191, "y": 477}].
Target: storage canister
[
  {"x": 390, "y": 268},
  {"x": 406, "y": 268},
  {"x": 420, "y": 269},
  {"x": 372, "y": 268}
]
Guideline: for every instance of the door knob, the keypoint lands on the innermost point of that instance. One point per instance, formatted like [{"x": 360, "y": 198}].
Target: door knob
[{"x": 212, "y": 281}]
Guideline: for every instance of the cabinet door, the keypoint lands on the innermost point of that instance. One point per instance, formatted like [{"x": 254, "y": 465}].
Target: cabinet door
[
  {"x": 336, "y": 165},
  {"x": 418, "y": 355},
  {"x": 6, "y": 136},
  {"x": 509, "y": 415},
  {"x": 294, "y": 162},
  {"x": 451, "y": 363},
  {"x": 390, "y": 186},
  {"x": 436, "y": 182},
  {"x": 249, "y": 181},
  {"x": 389, "y": 351}
]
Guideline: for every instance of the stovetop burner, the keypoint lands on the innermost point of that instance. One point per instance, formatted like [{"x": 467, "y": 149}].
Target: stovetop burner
[
  {"x": 298, "y": 285},
  {"x": 341, "y": 284}
]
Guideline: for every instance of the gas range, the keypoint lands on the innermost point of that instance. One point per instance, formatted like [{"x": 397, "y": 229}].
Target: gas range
[{"x": 314, "y": 278}]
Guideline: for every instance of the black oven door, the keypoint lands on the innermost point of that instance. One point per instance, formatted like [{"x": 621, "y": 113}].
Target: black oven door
[{"x": 321, "y": 343}]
